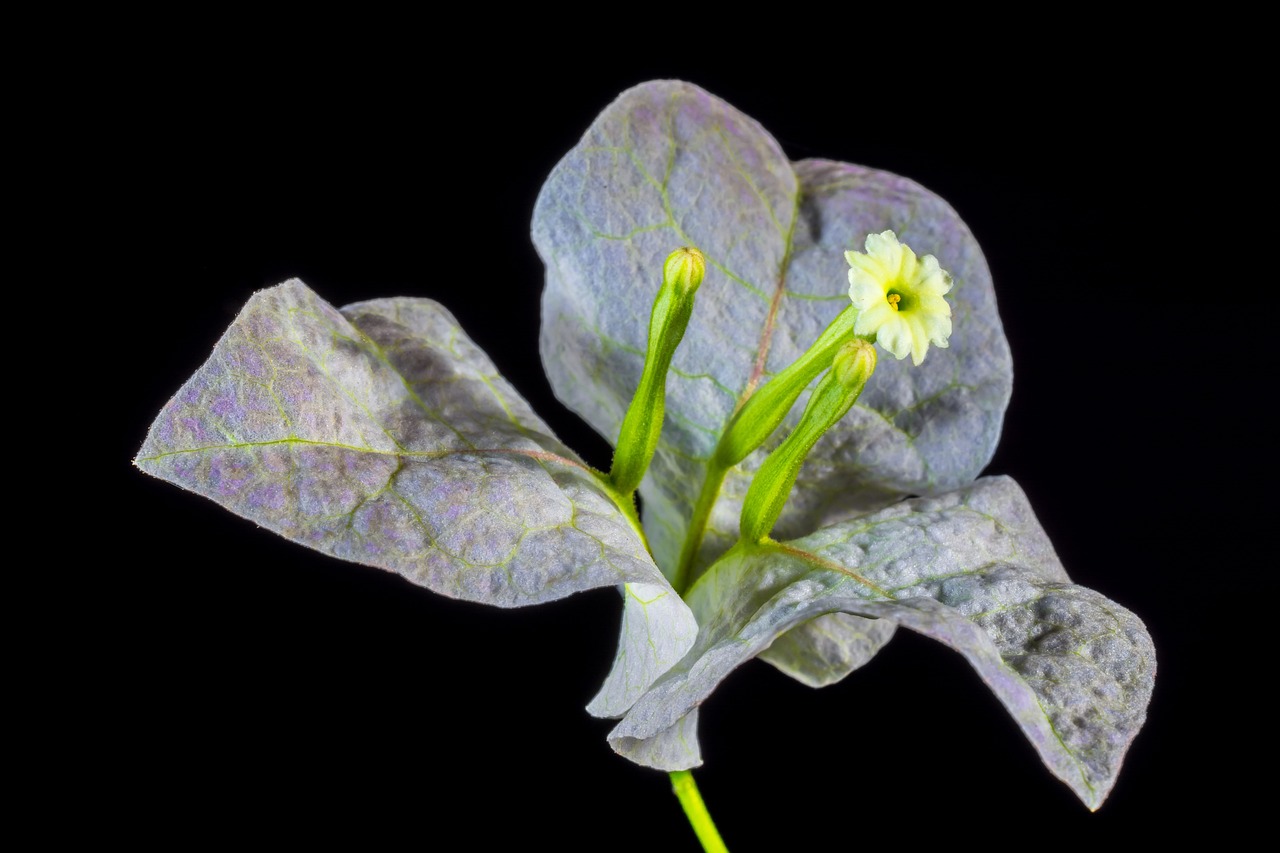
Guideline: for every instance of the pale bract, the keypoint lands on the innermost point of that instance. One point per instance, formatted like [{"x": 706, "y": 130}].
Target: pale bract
[
  {"x": 380, "y": 434},
  {"x": 899, "y": 297}
]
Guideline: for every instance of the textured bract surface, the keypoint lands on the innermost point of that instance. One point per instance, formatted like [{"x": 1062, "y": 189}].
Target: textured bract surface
[
  {"x": 972, "y": 569},
  {"x": 381, "y": 434},
  {"x": 826, "y": 649},
  {"x": 668, "y": 164}
]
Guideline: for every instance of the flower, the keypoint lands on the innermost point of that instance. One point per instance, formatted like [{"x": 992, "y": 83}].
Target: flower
[{"x": 899, "y": 297}]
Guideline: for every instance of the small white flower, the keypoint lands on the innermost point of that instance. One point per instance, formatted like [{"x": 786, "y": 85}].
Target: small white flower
[{"x": 899, "y": 297}]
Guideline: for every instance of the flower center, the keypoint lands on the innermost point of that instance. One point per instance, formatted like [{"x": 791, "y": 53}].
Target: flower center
[{"x": 894, "y": 299}]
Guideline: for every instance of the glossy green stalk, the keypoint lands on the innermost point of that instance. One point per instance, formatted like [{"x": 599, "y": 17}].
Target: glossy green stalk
[
  {"x": 698, "y": 524},
  {"x": 638, "y": 439},
  {"x": 752, "y": 424},
  {"x": 764, "y": 410},
  {"x": 834, "y": 396},
  {"x": 696, "y": 810}
]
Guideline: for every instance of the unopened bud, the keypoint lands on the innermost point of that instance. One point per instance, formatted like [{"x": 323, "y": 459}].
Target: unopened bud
[
  {"x": 854, "y": 363},
  {"x": 684, "y": 269},
  {"x": 642, "y": 425}
]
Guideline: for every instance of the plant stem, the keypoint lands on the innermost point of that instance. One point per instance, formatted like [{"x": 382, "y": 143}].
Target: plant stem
[
  {"x": 698, "y": 525},
  {"x": 696, "y": 810}
]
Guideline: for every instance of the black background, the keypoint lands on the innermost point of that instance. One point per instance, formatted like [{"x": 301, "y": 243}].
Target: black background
[{"x": 252, "y": 688}]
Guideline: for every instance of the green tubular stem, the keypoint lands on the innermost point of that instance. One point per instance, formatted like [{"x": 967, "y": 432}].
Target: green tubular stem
[
  {"x": 696, "y": 811},
  {"x": 642, "y": 425},
  {"x": 762, "y": 412},
  {"x": 753, "y": 422},
  {"x": 772, "y": 484},
  {"x": 698, "y": 525},
  {"x": 627, "y": 505}
]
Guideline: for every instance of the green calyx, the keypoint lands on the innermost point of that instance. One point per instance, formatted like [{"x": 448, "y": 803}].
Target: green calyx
[
  {"x": 851, "y": 367},
  {"x": 763, "y": 412},
  {"x": 682, "y": 274},
  {"x": 753, "y": 423}
]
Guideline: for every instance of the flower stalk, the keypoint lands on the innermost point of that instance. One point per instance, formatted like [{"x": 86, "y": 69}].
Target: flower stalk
[
  {"x": 682, "y": 274},
  {"x": 764, "y": 410},
  {"x": 751, "y": 425},
  {"x": 695, "y": 810},
  {"x": 836, "y": 393}
]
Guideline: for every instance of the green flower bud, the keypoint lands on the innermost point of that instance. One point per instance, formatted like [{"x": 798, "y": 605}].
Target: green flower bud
[
  {"x": 853, "y": 365},
  {"x": 684, "y": 269},
  {"x": 682, "y": 274},
  {"x": 836, "y": 393}
]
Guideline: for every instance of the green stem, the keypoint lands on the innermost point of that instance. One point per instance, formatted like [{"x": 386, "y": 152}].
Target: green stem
[
  {"x": 836, "y": 393},
  {"x": 627, "y": 505},
  {"x": 642, "y": 425},
  {"x": 698, "y": 525},
  {"x": 763, "y": 412},
  {"x": 696, "y": 810},
  {"x": 754, "y": 421}
]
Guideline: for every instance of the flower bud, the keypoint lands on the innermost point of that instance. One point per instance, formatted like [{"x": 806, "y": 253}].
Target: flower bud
[
  {"x": 853, "y": 363},
  {"x": 684, "y": 269},
  {"x": 682, "y": 274}
]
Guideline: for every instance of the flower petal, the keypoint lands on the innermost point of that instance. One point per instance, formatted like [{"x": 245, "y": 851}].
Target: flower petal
[
  {"x": 873, "y": 317},
  {"x": 885, "y": 247},
  {"x": 864, "y": 291},
  {"x": 866, "y": 265},
  {"x": 894, "y": 335}
]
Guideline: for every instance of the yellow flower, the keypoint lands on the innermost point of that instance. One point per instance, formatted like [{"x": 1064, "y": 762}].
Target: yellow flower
[{"x": 899, "y": 297}]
